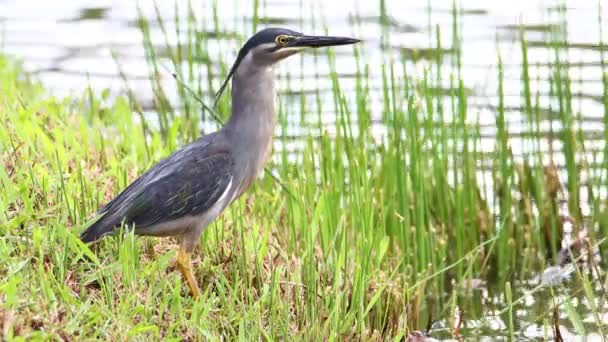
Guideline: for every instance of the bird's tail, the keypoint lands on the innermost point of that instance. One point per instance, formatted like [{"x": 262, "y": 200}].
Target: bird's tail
[{"x": 98, "y": 229}]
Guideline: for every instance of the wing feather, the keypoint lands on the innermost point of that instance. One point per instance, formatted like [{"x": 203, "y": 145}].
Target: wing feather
[
  {"x": 189, "y": 190},
  {"x": 188, "y": 182}
]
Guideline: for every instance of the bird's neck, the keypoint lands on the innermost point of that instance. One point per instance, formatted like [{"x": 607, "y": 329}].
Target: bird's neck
[
  {"x": 253, "y": 93},
  {"x": 253, "y": 118},
  {"x": 253, "y": 99}
]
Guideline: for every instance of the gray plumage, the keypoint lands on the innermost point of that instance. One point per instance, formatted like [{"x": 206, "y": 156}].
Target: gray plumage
[
  {"x": 185, "y": 192},
  {"x": 188, "y": 182}
]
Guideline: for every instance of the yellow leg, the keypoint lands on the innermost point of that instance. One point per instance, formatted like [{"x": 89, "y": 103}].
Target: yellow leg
[{"x": 185, "y": 267}]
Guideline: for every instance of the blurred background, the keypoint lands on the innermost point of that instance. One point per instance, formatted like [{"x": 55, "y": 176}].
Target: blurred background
[{"x": 71, "y": 45}]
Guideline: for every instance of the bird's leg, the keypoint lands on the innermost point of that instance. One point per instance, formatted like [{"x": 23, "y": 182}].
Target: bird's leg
[{"x": 184, "y": 264}]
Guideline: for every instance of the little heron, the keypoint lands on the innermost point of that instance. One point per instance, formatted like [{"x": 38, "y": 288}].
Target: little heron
[{"x": 182, "y": 194}]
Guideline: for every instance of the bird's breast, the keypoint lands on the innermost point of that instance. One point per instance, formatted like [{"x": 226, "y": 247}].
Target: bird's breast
[{"x": 259, "y": 152}]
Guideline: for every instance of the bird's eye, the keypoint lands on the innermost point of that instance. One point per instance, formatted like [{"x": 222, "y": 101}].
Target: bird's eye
[{"x": 282, "y": 40}]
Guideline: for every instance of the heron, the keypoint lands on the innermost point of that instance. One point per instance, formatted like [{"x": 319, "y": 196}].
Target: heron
[{"x": 185, "y": 192}]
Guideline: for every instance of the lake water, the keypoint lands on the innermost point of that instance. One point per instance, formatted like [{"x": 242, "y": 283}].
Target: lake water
[{"x": 69, "y": 45}]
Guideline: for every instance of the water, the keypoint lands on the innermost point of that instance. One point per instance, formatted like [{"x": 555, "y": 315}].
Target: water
[{"x": 70, "y": 45}]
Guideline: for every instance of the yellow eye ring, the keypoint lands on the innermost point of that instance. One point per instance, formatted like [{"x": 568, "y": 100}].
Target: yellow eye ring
[{"x": 281, "y": 40}]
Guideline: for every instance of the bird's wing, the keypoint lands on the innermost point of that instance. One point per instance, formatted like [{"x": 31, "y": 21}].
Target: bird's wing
[
  {"x": 189, "y": 188},
  {"x": 188, "y": 182}
]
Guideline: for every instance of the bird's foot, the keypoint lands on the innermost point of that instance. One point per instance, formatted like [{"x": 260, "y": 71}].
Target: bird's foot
[{"x": 184, "y": 264}]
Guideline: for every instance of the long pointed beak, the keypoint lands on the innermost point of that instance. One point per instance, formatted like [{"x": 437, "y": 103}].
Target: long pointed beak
[{"x": 322, "y": 41}]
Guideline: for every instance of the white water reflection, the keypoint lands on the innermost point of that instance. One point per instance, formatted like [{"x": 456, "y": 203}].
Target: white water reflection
[{"x": 65, "y": 37}]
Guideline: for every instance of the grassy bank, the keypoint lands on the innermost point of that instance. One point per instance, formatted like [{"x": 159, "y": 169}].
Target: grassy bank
[{"x": 373, "y": 237}]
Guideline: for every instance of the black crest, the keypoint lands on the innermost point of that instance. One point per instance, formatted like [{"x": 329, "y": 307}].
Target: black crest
[{"x": 264, "y": 36}]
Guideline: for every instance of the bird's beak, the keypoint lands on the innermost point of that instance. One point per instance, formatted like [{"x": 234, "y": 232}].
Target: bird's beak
[{"x": 321, "y": 41}]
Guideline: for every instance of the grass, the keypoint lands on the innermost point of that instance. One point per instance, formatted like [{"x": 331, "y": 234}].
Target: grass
[{"x": 373, "y": 238}]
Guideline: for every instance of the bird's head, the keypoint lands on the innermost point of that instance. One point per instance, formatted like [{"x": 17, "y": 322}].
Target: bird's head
[{"x": 272, "y": 45}]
